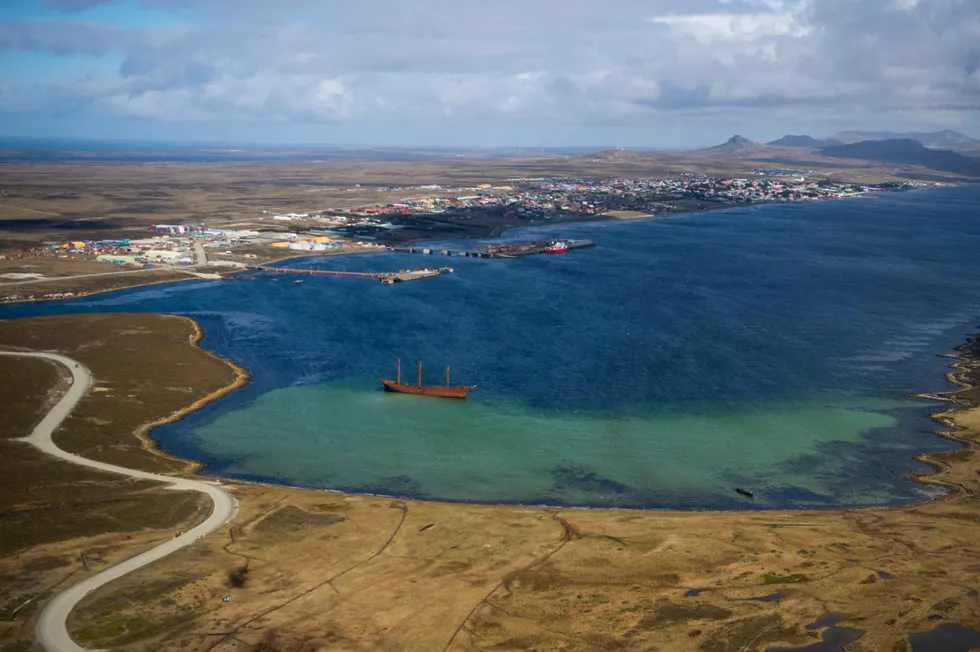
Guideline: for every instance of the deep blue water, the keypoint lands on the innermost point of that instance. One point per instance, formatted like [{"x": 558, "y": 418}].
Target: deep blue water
[{"x": 772, "y": 347}]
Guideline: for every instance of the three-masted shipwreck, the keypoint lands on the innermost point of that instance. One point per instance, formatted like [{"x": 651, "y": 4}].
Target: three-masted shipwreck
[{"x": 441, "y": 391}]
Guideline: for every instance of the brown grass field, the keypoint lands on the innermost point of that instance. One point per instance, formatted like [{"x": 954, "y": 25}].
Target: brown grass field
[
  {"x": 58, "y": 201},
  {"x": 309, "y": 570}
]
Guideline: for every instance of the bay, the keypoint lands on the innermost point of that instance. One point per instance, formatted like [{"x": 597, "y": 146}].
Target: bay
[{"x": 772, "y": 347}]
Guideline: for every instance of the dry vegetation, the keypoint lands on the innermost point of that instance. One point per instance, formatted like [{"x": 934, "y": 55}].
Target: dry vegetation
[
  {"x": 311, "y": 570},
  {"x": 59, "y": 520},
  {"x": 97, "y": 200}
]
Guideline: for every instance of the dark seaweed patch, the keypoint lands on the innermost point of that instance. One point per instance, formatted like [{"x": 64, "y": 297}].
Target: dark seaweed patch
[{"x": 574, "y": 476}]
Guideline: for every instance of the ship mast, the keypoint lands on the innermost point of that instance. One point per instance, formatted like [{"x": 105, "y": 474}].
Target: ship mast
[
  {"x": 447, "y": 375},
  {"x": 399, "y": 381},
  {"x": 420, "y": 374}
]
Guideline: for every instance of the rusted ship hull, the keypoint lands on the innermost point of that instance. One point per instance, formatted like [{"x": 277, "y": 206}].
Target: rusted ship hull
[{"x": 422, "y": 390}]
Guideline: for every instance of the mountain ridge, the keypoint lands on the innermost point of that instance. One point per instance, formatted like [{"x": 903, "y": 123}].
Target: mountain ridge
[
  {"x": 906, "y": 151},
  {"x": 946, "y": 138},
  {"x": 790, "y": 140}
]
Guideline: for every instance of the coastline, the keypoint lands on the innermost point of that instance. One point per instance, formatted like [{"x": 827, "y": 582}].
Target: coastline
[
  {"x": 103, "y": 291},
  {"x": 496, "y": 232},
  {"x": 242, "y": 378},
  {"x": 965, "y": 374},
  {"x": 949, "y": 418}
]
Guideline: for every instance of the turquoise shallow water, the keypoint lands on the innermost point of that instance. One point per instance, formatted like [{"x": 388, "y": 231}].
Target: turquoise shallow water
[{"x": 772, "y": 347}]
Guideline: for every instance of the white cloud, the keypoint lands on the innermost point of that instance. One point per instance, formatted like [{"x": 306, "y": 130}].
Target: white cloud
[
  {"x": 736, "y": 27},
  {"x": 581, "y": 62}
]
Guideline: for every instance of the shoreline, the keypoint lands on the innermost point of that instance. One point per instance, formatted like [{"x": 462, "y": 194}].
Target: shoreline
[
  {"x": 496, "y": 233},
  {"x": 190, "y": 277},
  {"x": 946, "y": 418},
  {"x": 242, "y": 378},
  {"x": 951, "y": 419}
]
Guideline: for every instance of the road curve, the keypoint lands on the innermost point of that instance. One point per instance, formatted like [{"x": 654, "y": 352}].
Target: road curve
[{"x": 52, "y": 630}]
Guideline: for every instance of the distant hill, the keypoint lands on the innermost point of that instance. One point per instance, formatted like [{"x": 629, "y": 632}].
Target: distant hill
[
  {"x": 945, "y": 138},
  {"x": 736, "y": 146},
  {"x": 736, "y": 142},
  {"x": 906, "y": 151},
  {"x": 804, "y": 141}
]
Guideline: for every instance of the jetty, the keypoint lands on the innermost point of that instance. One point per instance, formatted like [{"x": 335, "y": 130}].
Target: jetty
[
  {"x": 388, "y": 278},
  {"x": 511, "y": 250}
]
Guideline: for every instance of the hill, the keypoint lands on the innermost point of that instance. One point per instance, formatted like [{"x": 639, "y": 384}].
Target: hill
[
  {"x": 736, "y": 144},
  {"x": 906, "y": 151},
  {"x": 735, "y": 147},
  {"x": 945, "y": 138},
  {"x": 804, "y": 141}
]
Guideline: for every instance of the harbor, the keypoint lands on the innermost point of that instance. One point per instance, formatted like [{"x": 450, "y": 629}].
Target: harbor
[{"x": 510, "y": 250}]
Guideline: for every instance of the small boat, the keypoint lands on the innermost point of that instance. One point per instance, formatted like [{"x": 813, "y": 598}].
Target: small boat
[
  {"x": 556, "y": 247},
  {"x": 298, "y": 282},
  {"x": 447, "y": 391},
  {"x": 745, "y": 492}
]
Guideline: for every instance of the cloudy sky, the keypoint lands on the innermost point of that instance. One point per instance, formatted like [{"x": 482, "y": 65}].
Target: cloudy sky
[{"x": 490, "y": 72}]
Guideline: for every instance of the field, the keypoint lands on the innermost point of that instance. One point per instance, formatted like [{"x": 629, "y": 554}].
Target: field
[
  {"x": 55, "y": 202},
  {"x": 307, "y": 570}
]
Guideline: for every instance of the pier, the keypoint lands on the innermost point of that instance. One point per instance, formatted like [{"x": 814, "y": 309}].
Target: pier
[
  {"x": 513, "y": 250},
  {"x": 388, "y": 278},
  {"x": 439, "y": 251}
]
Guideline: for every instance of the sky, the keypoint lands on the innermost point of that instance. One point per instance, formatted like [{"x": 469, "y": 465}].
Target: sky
[{"x": 548, "y": 73}]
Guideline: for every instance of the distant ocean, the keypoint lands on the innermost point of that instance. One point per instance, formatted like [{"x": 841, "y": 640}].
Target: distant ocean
[
  {"x": 770, "y": 347},
  {"x": 64, "y": 150}
]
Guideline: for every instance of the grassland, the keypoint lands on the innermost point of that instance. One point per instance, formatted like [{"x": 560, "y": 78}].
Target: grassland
[
  {"x": 309, "y": 570},
  {"x": 56, "y": 202},
  {"x": 59, "y": 521}
]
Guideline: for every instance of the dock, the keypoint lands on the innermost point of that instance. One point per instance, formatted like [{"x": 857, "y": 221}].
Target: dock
[
  {"x": 388, "y": 278},
  {"x": 438, "y": 251},
  {"x": 513, "y": 250}
]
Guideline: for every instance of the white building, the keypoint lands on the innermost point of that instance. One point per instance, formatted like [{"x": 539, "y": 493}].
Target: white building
[{"x": 165, "y": 256}]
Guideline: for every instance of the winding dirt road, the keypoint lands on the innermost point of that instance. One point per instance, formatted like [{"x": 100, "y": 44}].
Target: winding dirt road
[{"x": 52, "y": 630}]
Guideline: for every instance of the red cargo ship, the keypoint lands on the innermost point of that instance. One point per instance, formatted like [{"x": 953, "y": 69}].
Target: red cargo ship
[
  {"x": 556, "y": 247},
  {"x": 446, "y": 391}
]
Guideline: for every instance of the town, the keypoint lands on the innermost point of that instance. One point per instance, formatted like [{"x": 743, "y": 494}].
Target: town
[
  {"x": 360, "y": 228},
  {"x": 558, "y": 199}
]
